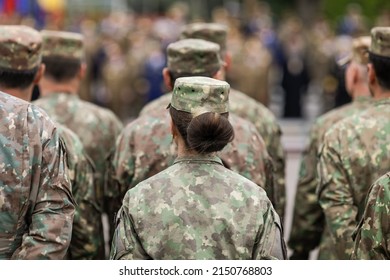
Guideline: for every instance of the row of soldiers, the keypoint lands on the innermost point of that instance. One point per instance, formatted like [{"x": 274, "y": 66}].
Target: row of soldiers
[
  {"x": 335, "y": 207},
  {"x": 74, "y": 170}
]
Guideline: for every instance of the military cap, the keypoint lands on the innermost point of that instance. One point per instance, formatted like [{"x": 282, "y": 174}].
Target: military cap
[
  {"x": 60, "y": 44},
  {"x": 198, "y": 95},
  {"x": 213, "y": 32},
  {"x": 359, "y": 52},
  {"x": 380, "y": 41},
  {"x": 20, "y": 47},
  {"x": 194, "y": 57}
]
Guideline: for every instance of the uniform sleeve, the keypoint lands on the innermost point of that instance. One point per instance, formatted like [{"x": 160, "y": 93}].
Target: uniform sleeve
[
  {"x": 269, "y": 243},
  {"x": 308, "y": 218},
  {"x": 335, "y": 195},
  {"x": 50, "y": 228},
  {"x": 121, "y": 164},
  {"x": 276, "y": 151},
  {"x": 372, "y": 236},
  {"x": 126, "y": 244},
  {"x": 87, "y": 236}
]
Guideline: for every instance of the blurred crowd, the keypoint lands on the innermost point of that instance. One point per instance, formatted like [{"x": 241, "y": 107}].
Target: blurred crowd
[{"x": 280, "y": 62}]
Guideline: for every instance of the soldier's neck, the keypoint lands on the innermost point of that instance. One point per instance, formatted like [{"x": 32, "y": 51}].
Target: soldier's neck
[
  {"x": 182, "y": 150},
  {"x": 361, "y": 91},
  {"x": 24, "y": 94},
  {"x": 48, "y": 86}
]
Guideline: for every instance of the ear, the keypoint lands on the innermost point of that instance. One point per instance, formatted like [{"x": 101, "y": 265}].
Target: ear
[
  {"x": 167, "y": 79},
  {"x": 228, "y": 61},
  {"x": 39, "y": 74},
  {"x": 219, "y": 75},
  {"x": 173, "y": 129},
  {"x": 371, "y": 75},
  {"x": 351, "y": 76},
  {"x": 82, "y": 71}
]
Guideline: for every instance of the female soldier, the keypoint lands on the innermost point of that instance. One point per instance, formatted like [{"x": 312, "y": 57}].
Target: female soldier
[{"x": 197, "y": 208}]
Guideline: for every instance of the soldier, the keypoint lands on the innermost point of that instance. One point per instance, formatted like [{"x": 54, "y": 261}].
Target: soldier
[
  {"x": 132, "y": 163},
  {"x": 241, "y": 105},
  {"x": 86, "y": 238},
  {"x": 96, "y": 127},
  {"x": 197, "y": 208},
  {"x": 36, "y": 202},
  {"x": 355, "y": 152},
  {"x": 372, "y": 236},
  {"x": 308, "y": 219}
]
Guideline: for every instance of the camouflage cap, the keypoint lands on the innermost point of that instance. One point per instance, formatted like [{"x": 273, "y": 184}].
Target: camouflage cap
[
  {"x": 198, "y": 95},
  {"x": 380, "y": 41},
  {"x": 20, "y": 47},
  {"x": 213, "y": 32},
  {"x": 60, "y": 44},
  {"x": 359, "y": 52},
  {"x": 194, "y": 56}
]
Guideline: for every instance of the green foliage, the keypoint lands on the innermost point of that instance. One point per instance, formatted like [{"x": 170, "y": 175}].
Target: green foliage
[{"x": 335, "y": 9}]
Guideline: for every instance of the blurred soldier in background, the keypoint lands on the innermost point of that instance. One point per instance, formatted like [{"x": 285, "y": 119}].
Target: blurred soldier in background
[
  {"x": 96, "y": 127},
  {"x": 241, "y": 105},
  {"x": 372, "y": 237},
  {"x": 37, "y": 206},
  {"x": 132, "y": 162},
  {"x": 250, "y": 69},
  {"x": 355, "y": 152},
  {"x": 308, "y": 221},
  {"x": 197, "y": 208}
]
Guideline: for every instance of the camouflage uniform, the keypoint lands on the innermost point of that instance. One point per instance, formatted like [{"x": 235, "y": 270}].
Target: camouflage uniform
[
  {"x": 197, "y": 208},
  {"x": 243, "y": 106},
  {"x": 308, "y": 219},
  {"x": 372, "y": 236},
  {"x": 87, "y": 239},
  {"x": 36, "y": 202},
  {"x": 96, "y": 127},
  {"x": 354, "y": 154},
  {"x": 348, "y": 165}
]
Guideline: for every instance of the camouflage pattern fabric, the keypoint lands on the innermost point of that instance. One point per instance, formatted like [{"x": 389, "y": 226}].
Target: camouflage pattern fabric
[
  {"x": 96, "y": 127},
  {"x": 87, "y": 234},
  {"x": 133, "y": 162},
  {"x": 372, "y": 236},
  {"x": 197, "y": 209},
  {"x": 380, "y": 41},
  {"x": 354, "y": 154},
  {"x": 60, "y": 44},
  {"x": 33, "y": 159},
  {"x": 213, "y": 32},
  {"x": 308, "y": 219},
  {"x": 20, "y": 47},
  {"x": 198, "y": 95},
  {"x": 265, "y": 123},
  {"x": 195, "y": 56}
]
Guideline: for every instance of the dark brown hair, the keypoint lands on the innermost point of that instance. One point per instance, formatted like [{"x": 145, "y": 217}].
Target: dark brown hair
[
  {"x": 14, "y": 79},
  {"x": 206, "y": 133},
  {"x": 61, "y": 70},
  {"x": 381, "y": 66}
]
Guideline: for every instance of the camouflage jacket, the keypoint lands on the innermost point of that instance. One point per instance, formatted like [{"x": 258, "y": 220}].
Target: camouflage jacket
[
  {"x": 308, "y": 219},
  {"x": 36, "y": 202},
  {"x": 96, "y": 127},
  {"x": 197, "y": 209},
  {"x": 266, "y": 124},
  {"x": 87, "y": 235},
  {"x": 372, "y": 236},
  {"x": 145, "y": 148},
  {"x": 354, "y": 154}
]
